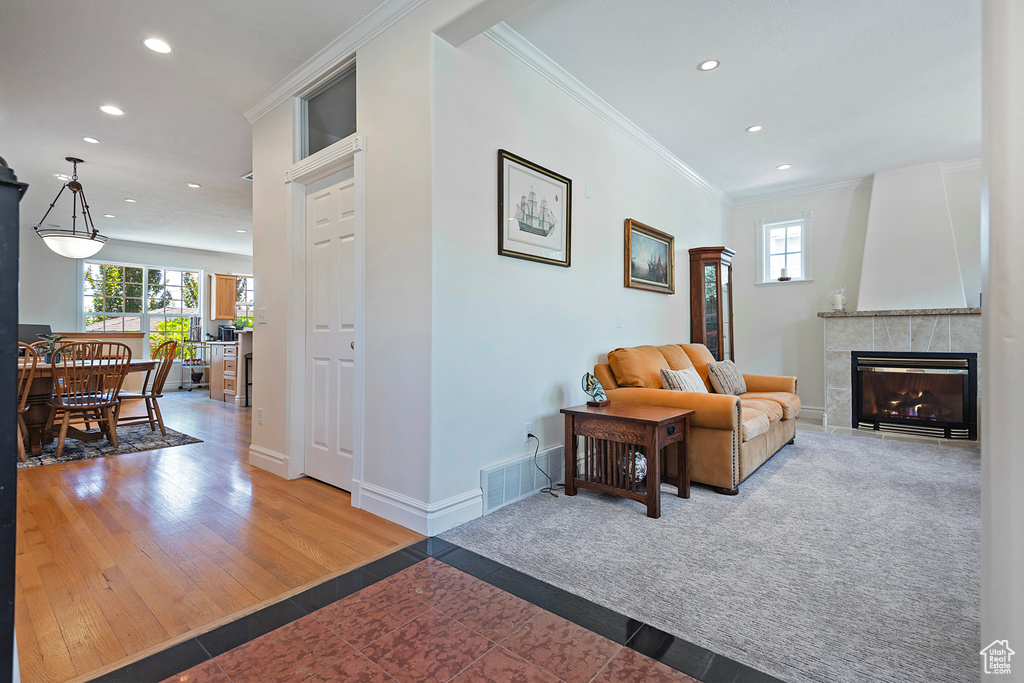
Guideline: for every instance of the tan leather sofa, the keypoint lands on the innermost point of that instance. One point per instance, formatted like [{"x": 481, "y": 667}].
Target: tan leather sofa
[{"x": 730, "y": 436}]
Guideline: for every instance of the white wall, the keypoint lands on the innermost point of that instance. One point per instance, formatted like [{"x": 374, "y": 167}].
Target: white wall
[
  {"x": 274, "y": 264},
  {"x": 512, "y": 338},
  {"x": 50, "y": 285},
  {"x": 1002, "y": 468},
  {"x": 777, "y": 328},
  {"x": 920, "y": 269}
]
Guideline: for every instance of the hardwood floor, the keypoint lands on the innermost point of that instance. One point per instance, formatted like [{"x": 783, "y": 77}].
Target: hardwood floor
[{"x": 122, "y": 555}]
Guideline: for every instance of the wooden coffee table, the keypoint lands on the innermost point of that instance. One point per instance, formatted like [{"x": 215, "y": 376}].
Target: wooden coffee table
[{"x": 610, "y": 436}]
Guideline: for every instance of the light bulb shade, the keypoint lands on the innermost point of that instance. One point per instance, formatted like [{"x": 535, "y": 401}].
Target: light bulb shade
[{"x": 71, "y": 244}]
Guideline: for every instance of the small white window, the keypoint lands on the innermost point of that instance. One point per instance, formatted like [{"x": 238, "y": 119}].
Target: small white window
[{"x": 783, "y": 249}]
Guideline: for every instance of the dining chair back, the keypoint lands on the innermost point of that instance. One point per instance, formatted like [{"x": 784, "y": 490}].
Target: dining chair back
[
  {"x": 26, "y": 373},
  {"x": 151, "y": 390},
  {"x": 87, "y": 381}
]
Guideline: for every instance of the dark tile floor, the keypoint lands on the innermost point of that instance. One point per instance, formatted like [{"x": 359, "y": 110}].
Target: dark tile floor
[{"x": 435, "y": 612}]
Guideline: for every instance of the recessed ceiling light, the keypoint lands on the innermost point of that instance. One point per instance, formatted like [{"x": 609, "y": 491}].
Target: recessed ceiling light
[
  {"x": 239, "y": 230},
  {"x": 157, "y": 45},
  {"x": 708, "y": 65},
  {"x": 194, "y": 185},
  {"x": 753, "y": 129},
  {"x": 112, "y": 110},
  {"x": 61, "y": 176},
  {"x": 92, "y": 141},
  {"x": 130, "y": 200},
  {"x": 109, "y": 215},
  {"x": 783, "y": 167}
]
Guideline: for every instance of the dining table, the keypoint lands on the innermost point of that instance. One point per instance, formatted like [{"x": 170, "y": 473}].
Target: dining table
[{"x": 38, "y": 410}]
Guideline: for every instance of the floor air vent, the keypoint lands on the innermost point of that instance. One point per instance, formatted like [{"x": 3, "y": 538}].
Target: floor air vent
[{"x": 516, "y": 479}]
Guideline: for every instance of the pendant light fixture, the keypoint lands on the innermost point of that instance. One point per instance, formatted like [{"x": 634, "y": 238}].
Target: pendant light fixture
[{"x": 73, "y": 243}]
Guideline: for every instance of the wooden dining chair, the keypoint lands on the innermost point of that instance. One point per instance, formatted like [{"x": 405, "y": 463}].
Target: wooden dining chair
[
  {"x": 151, "y": 392},
  {"x": 87, "y": 383},
  {"x": 26, "y": 373}
]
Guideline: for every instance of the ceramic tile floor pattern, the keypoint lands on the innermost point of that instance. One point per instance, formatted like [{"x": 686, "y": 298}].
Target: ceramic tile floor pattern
[{"x": 430, "y": 622}]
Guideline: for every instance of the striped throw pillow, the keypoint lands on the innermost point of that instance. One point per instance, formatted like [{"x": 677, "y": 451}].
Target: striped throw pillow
[
  {"x": 726, "y": 378},
  {"x": 682, "y": 380}
]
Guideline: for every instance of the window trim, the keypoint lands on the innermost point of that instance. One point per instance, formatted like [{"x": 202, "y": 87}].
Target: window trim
[
  {"x": 82, "y": 315},
  {"x": 762, "y": 261}
]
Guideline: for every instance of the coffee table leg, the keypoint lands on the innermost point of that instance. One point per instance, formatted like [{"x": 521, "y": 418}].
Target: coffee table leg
[
  {"x": 571, "y": 444},
  {"x": 683, "y": 462},
  {"x": 653, "y": 476}
]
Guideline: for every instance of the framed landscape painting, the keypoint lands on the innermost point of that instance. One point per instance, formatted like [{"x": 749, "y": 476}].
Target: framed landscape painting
[
  {"x": 534, "y": 211},
  {"x": 650, "y": 258}
]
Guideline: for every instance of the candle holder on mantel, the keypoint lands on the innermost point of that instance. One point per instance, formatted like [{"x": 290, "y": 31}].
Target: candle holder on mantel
[{"x": 838, "y": 298}]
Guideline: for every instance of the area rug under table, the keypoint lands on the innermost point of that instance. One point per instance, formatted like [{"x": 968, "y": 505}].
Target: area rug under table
[
  {"x": 130, "y": 439},
  {"x": 842, "y": 559}
]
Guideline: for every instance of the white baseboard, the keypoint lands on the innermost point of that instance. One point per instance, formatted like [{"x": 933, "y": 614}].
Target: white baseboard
[
  {"x": 429, "y": 519},
  {"x": 271, "y": 461},
  {"x": 812, "y": 413}
]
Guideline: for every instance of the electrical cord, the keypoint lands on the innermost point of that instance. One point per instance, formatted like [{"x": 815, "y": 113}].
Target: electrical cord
[{"x": 549, "y": 489}]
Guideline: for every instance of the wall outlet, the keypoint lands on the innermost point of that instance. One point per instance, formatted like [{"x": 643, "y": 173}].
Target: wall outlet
[
  {"x": 527, "y": 430},
  {"x": 259, "y": 415}
]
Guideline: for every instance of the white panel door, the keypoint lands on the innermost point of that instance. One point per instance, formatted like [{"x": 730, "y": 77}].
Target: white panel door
[{"x": 330, "y": 331}]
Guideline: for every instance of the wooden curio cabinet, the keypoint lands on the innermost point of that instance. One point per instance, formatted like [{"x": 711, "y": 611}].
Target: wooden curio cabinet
[{"x": 711, "y": 300}]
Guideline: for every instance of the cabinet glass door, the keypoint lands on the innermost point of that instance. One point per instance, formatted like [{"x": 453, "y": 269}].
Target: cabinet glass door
[
  {"x": 726, "y": 316},
  {"x": 711, "y": 327}
]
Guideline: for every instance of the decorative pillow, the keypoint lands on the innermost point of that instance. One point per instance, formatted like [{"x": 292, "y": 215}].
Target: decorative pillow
[
  {"x": 682, "y": 380},
  {"x": 726, "y": 378},
  {"x": 638, "y": 366}
]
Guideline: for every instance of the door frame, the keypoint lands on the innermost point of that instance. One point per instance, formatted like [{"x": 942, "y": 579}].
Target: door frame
[{"x": 341, "y": 156}]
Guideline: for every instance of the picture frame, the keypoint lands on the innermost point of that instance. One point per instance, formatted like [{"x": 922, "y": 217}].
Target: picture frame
[
  {"x": 649, "y": 258},
  {"x": 534, "y": 212}
]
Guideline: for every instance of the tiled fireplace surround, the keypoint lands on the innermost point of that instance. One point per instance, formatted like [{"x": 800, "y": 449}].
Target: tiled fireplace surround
[{"x": 933, "y": 329}]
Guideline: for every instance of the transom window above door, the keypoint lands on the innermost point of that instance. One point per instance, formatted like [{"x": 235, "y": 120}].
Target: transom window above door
[{"x": 783, "y": 248}]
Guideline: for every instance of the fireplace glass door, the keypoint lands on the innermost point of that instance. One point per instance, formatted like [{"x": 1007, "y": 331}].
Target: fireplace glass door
[{"x": 931, "y": 394}]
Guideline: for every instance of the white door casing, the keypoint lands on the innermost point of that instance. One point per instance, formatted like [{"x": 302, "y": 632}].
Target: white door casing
[
  {"x": 330, "y": 329},
  {"x": 345, "y": 156}
]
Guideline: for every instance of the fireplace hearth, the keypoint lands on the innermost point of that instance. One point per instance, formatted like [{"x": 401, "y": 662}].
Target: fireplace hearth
[{"x": 927, "y": 394}]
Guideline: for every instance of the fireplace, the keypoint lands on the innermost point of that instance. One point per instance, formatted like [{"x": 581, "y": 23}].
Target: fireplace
[{"x": 927, "y": 394}]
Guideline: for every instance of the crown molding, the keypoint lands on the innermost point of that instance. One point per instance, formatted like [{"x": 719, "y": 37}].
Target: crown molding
[
  {"x": 336, "y": 55},
  {"x": 518, "y": 46},
  {"x": 786, "y": 194},
  {"x": 954, "y": 166},
  {"x": 866, "y": 181}
]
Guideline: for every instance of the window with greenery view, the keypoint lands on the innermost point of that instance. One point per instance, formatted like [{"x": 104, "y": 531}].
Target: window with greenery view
[
  {"x": 784, "y": 243},
  {"x": 244, "y": 300},
  {"x": 155, "y": 301}
]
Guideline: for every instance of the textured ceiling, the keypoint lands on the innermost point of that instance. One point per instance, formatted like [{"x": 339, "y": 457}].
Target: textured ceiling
[
  {"x": 62, "y": 59},
  {"x": 843, "y": 88}
]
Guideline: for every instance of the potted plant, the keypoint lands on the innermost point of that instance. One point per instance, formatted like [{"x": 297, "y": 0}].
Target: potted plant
[{"x": 50, "y": 347}]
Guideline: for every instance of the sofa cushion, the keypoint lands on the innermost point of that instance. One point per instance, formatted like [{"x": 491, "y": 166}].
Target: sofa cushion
[
  {"x": 639, "y": 366},
  {"x": 790, "y": 403},
  {"x": 683, "y": 380},
  {"x": 726, "y": 378},
  {"x": 700, "y": 357},
  {"x": 770, "y": 408},
  {"x": 675, "y": 357},
  {"x": 755, "y": 423}
]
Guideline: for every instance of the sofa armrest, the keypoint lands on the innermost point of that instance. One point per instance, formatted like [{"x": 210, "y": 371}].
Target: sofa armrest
[
  {"x": 714, "y": 411},
  {"x": 761, "y": 383}
]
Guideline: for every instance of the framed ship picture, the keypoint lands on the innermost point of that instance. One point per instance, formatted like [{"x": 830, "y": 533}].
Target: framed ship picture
[
  {"x": 534, "y": 211},
  {"x": 650, "y": 258}
]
